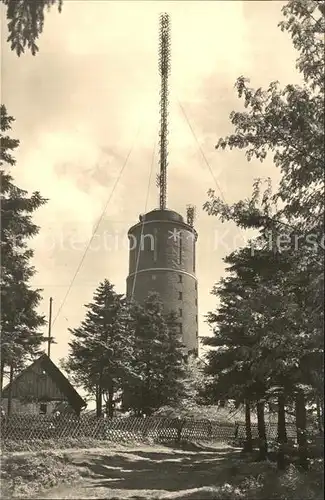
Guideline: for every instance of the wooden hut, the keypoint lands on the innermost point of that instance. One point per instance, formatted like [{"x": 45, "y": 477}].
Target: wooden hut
[{"x": 39, "y": 389}]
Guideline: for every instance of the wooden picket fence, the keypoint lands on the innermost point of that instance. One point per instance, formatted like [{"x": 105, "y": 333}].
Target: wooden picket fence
[
  {"x": 29, "y": 427},
  {"x": 21, "y": 428}
]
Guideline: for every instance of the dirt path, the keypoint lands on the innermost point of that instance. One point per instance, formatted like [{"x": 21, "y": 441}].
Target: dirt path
[{"x": 149, "y": 473}]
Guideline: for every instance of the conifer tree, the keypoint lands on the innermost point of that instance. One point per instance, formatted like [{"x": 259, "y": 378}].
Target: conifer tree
[
  {"x": 101, "y": 350},
  {"x": 26, "y": 21},
  {"x": 261, "y": 333},
  {"x": 158, "y": 363},
  {"x": 20, "y": 321},
  {"x": 237, "y": 330}
]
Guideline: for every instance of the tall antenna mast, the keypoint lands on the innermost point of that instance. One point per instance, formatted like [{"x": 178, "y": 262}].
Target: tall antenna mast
[{"x": 164, "y": 69}]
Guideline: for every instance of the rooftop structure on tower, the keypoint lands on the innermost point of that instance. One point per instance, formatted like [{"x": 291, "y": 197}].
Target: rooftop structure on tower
[{"x": 162, "y": 244}]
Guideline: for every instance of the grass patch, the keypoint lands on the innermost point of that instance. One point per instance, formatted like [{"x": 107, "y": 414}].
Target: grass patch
[
  {"x": 67, "y": 443},
  {"x": 251, "y": 481},
  {"x": 292, "y": 484},
  {"x": 24, "y": 476}
]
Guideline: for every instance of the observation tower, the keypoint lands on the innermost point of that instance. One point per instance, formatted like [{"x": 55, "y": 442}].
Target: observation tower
[{"x": 162, "y": 244}]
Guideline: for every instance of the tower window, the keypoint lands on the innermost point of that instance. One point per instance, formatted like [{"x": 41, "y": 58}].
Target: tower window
[
  {"x": 196, "y": 286},
  {"x": 147, "y": 243},
  {"x": 155, "y": 245},
  {"x": 196, "y": 318},
  {"x": 180, "y": 295},
  {"x": 196, "y": 302},
  {"x": 197, "y": 335},
  {"x": 181, "y": 328},
  {"x": 180, "y": 312},
  {"x": 180, "y": 278}
]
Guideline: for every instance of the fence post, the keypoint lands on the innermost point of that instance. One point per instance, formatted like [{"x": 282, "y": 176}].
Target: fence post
[
  {"x": 180, "y": 425},
  {"x": 236, "y": 431},
  {"x": 210, "y": 429}
]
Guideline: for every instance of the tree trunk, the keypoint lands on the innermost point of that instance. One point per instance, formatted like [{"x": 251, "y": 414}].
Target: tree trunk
[
  {"x": 180, "y": 425},
  {"x": 99, "y": 397},
  {"x": 11, "y": 378},
  {"x": 146, "y": 399},
  {"x": 301, "y": 425},
  {"x": 319, "y": 415},
  {"x": 261, "y": 430},
  {"x": 2, "y": 372},
  {"x": 100, "y": 392},
  {"x": 110, "y": 402},
  {"x": 248, "y": 447},
  {"x": 282, "y": 432}
]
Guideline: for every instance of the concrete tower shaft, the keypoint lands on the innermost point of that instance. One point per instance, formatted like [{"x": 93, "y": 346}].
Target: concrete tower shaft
[{"x": 162, "y": 259}]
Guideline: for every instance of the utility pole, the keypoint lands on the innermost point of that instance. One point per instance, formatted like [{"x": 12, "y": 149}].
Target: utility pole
[{"x": 49, "y": 338}]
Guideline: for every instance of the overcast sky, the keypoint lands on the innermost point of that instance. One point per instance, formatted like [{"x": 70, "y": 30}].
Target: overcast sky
[{"x": 91, "y": 96}]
